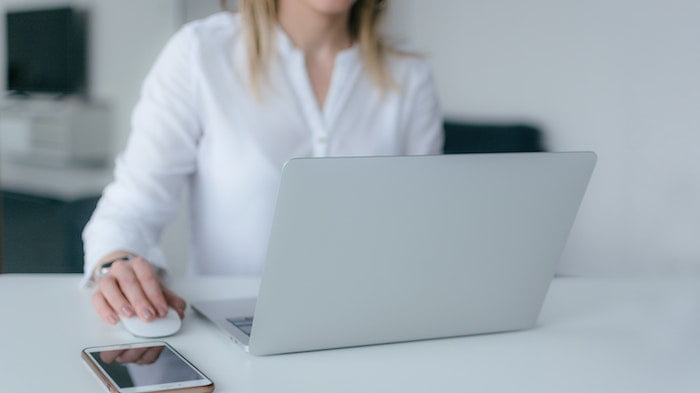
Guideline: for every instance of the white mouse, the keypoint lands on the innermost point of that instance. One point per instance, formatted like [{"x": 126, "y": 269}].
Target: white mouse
[{"x": 159, "y": 327}]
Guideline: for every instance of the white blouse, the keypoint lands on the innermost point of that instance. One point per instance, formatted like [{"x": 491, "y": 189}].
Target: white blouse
[{"x": 198, "y": 125}]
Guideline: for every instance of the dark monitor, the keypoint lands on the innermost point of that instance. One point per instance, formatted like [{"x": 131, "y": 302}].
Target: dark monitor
[{"x": 47, "y": 51}]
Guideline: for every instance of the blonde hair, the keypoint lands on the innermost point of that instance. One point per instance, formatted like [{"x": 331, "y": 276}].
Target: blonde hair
[{"x": 259, "y": 20}]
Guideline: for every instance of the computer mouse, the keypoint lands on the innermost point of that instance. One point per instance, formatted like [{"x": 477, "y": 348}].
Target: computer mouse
[{"x": 159, "y": 327}]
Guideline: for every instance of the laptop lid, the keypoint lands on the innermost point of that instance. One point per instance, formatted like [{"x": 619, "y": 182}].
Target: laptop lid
[{"x": 388, "y": 249}]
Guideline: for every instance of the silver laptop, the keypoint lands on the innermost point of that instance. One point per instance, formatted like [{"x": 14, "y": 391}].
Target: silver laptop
[{"x": 389, "y": 249}]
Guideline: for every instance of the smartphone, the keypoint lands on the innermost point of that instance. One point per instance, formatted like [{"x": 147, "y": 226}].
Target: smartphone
[{"x": 152, "y": 366}]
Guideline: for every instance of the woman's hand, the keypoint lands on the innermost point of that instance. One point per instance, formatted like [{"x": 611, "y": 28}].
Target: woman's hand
[{"x": 132, "y": 287}]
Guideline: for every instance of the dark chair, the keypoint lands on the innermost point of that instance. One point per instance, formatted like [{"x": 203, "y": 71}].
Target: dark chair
[{"x": 465, "y": 137}]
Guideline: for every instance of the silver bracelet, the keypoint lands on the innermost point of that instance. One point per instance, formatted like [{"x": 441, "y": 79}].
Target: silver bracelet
[{"x": 104, "y": 269}]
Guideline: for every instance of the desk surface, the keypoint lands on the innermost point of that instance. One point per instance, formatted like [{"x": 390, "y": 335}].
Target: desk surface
[{"x": 594, "y": 335}]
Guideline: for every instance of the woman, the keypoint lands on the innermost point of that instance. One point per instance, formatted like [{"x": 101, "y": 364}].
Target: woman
[{"x": 230, "y": 99}]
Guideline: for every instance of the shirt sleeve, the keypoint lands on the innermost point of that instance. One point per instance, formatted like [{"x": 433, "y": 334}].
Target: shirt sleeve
[
  {"x": 423, "y": 122},
  {"x": 158, "y": 160}
]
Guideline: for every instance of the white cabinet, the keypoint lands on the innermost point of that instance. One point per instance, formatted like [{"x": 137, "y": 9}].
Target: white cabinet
[{"x": 55, "y": 132}]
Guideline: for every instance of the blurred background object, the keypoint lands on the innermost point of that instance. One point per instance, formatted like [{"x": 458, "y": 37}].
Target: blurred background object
[
  {"x": 72, "y": 72},
  {"x": 618, "y": 77},
  {"x": 466, "y": 137}
]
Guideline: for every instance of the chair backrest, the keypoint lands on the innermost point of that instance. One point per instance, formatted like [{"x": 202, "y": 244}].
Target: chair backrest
[{"x": 465, "y": 137}]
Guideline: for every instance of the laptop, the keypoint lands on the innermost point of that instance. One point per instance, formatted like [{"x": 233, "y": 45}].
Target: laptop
[{"x": 372, "y": 250}]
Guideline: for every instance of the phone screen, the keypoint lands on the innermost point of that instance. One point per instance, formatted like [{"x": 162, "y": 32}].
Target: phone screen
[{"x": 145, "y": 366}]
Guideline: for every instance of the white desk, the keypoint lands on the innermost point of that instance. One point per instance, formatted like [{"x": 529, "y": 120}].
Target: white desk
[{"x": 594, "y": 335}]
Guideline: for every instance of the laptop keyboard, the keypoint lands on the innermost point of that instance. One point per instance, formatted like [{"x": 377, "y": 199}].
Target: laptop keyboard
[{"x": 244, "y": 324}]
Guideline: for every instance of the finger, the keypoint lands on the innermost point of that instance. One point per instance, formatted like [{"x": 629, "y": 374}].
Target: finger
[
  {"x": 131, "y": 355},
  {"x": 151, "y": 285},
  {"x": 103, "y": 308},
  {"x": 175, "y": 301},
  {"x": 131, "y": 287},
  {"x": 113, "y": 294},
  {"x": 151, "y": 355}
]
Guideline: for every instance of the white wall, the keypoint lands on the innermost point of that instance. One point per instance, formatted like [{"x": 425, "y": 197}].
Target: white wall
[
  {"x": 619, "y": 77},
  {"x": 196, "y": 9}
]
